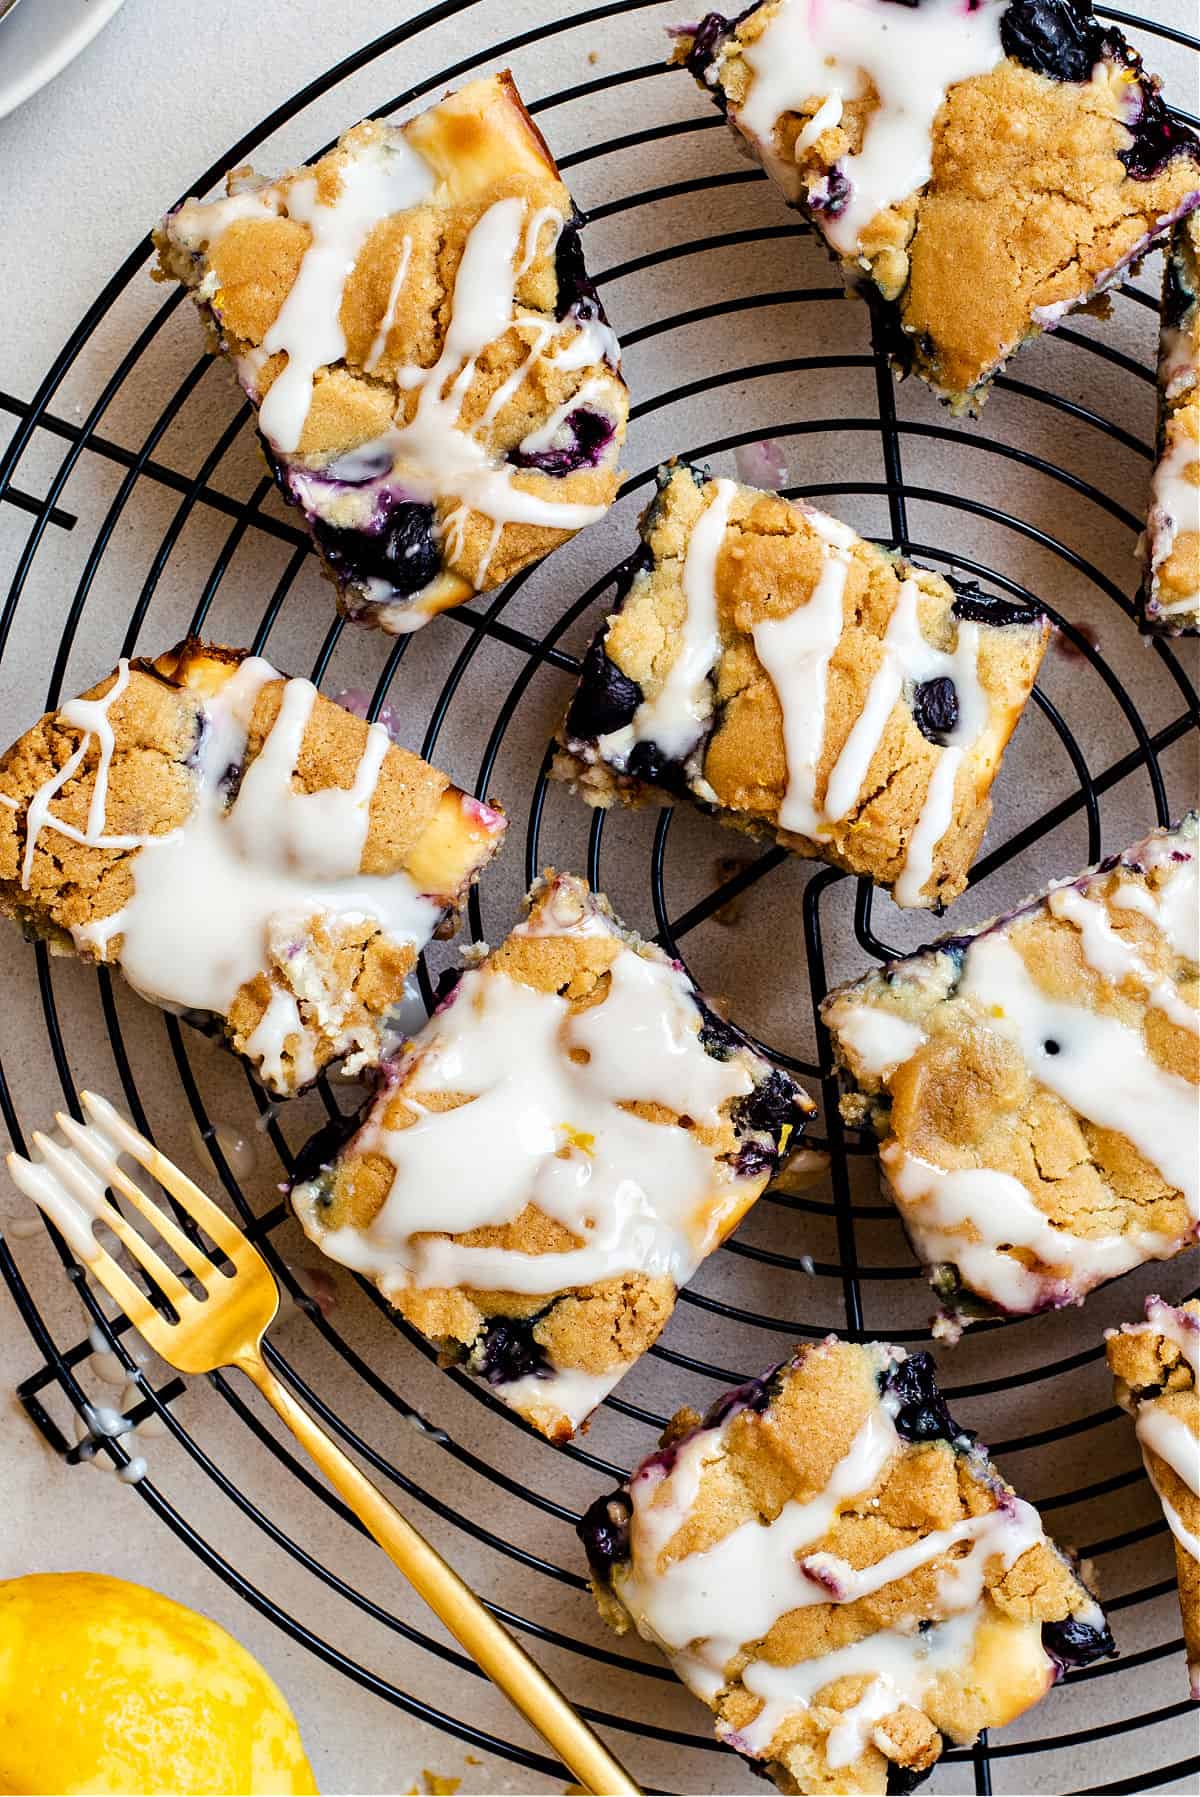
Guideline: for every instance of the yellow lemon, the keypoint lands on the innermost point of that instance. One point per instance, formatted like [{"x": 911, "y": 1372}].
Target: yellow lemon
[{"x": 107, "y": 1687}]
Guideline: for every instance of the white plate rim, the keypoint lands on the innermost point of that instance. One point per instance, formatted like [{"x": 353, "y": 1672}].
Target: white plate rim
[{"x": 51, "y": 59}]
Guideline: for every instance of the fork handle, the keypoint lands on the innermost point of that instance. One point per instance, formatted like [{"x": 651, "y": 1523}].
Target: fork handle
[{"x": 487, "y": 1641}]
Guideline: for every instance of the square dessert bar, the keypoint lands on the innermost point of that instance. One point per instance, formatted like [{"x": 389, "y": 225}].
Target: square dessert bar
[
  {"x": 1034, "y": 1082},
  {"x": 979, "y": 167},
  {"x": 437, "y": 387},
  {"x": 1156, "y": 1377},
  {"x": 837, "y": 1569},
  {"x": 1171, "y": 589},
  {"x": 248, "y": 854},
  {"x": 803, "y": 684},
  {"x": 556, "y": 1152}
]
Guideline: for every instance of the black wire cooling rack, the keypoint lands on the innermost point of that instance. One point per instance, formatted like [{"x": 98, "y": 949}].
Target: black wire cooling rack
[{"x": 738, "y": 305}]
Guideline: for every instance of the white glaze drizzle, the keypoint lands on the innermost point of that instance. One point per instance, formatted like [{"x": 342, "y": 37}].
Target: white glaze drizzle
[
  {"x": 707, "y": 1606},
  {"x": 1177, "y": 901},
  {"x": 900, "y": 1667},
  {"x": 1162, "y": 1432},
  {"x": 545, "y": 215},
  {"x": 543, "y": 1128},
  {"x": 379, "y": 342},
  {"x": 1179, "y": 1326},
  {"x": 1174, "y": 504},
  {"x": 931, "y": 825},
  {"x": 1189, "y": 1542},
  {"x": 1102, "y": 1069},
  {"x": 795, "y": 652},
  {"x": 90, "y": 716},
  {"x": 941, "y": 1203},
  {"x": 1168, "y": 1436},
  {"x": 234, "y": 885},
  {"x": 1111, "y": 956},
  {"x": 432, "y": 457},
  {"x": 714, "y": 1601},
  {"x": 385, "y": 176},
  {"x": 566, "y": 1392},
  {"x": 831, "y": 50},
  {"x": 675, "y": 717},
  {"x": 1131, "y": 897},
  {"x": 879, "y": 1040}
]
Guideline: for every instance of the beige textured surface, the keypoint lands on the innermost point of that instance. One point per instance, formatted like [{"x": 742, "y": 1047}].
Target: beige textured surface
[{"x": 162, "y": 94}]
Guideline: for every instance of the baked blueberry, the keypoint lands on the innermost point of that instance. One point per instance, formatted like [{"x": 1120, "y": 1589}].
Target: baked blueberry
[
  {"x": 769, "y": 1107},
  {"x": 648, "y": 761},
  {"x": 605, "y": 699},
  {"x": 507, "y": 1350},
  {"x": 832, "y": 195},
  {"x": 972, "y": 603},
  {"x": 1072, "y": 1643},
  {"x": 922, "y": 1413},
  {"x": 402, "y": 552},
  {"x": 590, "y": 434},
  {"x": 1058, "y": 38},
  {"x": 604, "y": 1531},
  {"x": 754, "y": 1158},
  {"x": 935, "y": 707}
]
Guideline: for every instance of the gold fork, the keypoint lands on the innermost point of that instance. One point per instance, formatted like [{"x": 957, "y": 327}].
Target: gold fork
[{"x": 225, "y": 1328}]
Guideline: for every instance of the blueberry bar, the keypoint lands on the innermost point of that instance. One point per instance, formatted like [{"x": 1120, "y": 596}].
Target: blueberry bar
[
  {"x": 436, "y": 384},
  {"x": 1171, "y": 586},
  {"x": 553, "y": 1156},
  {"x": 837, "y": 1569},
  {"x": 802, "y": 684},
  {"x": 1034, "y": 1083},
  {"x": 1155, "y": 1366},
  {"x": 979, "y": 169},
  {"x": 249, "y": 854}
]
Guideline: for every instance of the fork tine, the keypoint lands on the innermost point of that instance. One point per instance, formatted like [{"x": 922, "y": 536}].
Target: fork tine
[
  {"x": 74, "y": 1223},
  {"x": 86, "y": 1143},
  {"x": 87, "y": 1190},
  {"x": 199, "y": 1206}
]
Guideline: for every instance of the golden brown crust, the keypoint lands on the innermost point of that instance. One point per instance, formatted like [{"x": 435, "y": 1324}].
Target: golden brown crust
[
  {"x": 594, "y": 1329},
  {"x": 1171, "y": 594},
  {"x": 156, "y": 720},
  {"x": 482, "y": 148},
  {"x": 770, "y": 562},
  {"x": 1152, "y": 1374},
  {"x": 1028, "y": 211},
  {"x": 963, "y": 1095},
  {"x": 784, "y": 1452}
]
